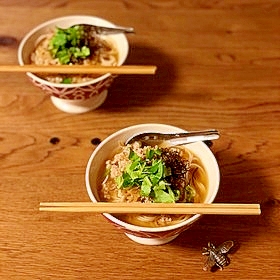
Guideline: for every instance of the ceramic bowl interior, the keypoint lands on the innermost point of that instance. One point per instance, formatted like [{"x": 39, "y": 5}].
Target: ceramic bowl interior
[
  {"x": 96, "y": 163},
  {"x": 29, "y": 41}
]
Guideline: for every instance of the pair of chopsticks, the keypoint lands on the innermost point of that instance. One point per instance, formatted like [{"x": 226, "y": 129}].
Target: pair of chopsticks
[
  {"x": 80, "y": 69},
  {"x": 153, "y": 208}
]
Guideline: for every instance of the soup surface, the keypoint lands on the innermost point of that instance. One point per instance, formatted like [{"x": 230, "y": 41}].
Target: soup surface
[{"x": 153, "y": 175}]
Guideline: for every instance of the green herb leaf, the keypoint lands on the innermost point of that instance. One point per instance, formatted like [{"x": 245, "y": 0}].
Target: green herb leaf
[
  {"x": 119, "y": 180},
  {"x": 68, "y": 43},
  {"x": 163, "y": 197},
  {"x": 148, "y": 173},
  {"x": 156, "y": 166},
  {"x": 190, "y": 193},
  {"x": 127, "y": 181},
  {"x": 149, "y": 153},
  {"x": 67, "y": 80},
  {"x": 163, "y": 193},
  {"x": 63, "y": 56},
  {"x": 133, "y": 156},
  {"x": 146, "y": 186}
]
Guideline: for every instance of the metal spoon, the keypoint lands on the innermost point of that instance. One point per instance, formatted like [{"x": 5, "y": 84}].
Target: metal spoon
[
  {"x": 151, "y": 138},
  {"x": 103, "y": 30}
]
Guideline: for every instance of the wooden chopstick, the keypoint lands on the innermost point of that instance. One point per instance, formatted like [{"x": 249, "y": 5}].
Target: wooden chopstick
[
  {"x": 153, "y": 208},
  {"x": 80, "y": 69}
]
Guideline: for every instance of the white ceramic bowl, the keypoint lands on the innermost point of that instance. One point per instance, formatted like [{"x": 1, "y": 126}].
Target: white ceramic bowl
[
  {"x": 145, "y": 235},
  {"x": 80, "y": 97}
]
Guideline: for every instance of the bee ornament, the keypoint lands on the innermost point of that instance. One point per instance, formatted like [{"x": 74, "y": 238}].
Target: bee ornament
[{"x": 217, "y": 256}]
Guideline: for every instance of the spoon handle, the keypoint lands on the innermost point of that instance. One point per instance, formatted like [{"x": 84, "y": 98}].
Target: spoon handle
[
  {"x": 108, "y": 30},
  {"x": 118, "y": 29},
  {"x": 151, "y": 138},
  {"x": 194, "y": 136}
]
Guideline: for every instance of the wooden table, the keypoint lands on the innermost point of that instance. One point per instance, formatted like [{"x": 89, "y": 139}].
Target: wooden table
[{"x": 218, "y": 67}]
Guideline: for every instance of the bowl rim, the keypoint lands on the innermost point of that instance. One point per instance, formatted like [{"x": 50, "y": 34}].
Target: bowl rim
[
  {"x": 135, "y": 227},
  {"x": 52, "y": 21}
]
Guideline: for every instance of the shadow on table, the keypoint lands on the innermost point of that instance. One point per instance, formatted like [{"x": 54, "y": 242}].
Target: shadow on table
[
  {"x": 142, "y": 90},
  {"x": 241, "y": 182}
]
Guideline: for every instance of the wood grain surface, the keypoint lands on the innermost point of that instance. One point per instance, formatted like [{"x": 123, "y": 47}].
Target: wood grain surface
[{"x": 218, "y": 67}]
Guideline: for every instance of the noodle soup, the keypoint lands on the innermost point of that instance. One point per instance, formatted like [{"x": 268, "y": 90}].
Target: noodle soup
[
  {"x": 73, "y": 46},
  {"x": 105, "y": 155},
  {"x": 73, "y": 94},
  {"x": 153, "y": 175}
]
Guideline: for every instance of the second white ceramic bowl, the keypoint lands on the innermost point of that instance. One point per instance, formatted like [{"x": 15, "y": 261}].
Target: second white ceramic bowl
[{"x": 146, "y": 235}]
